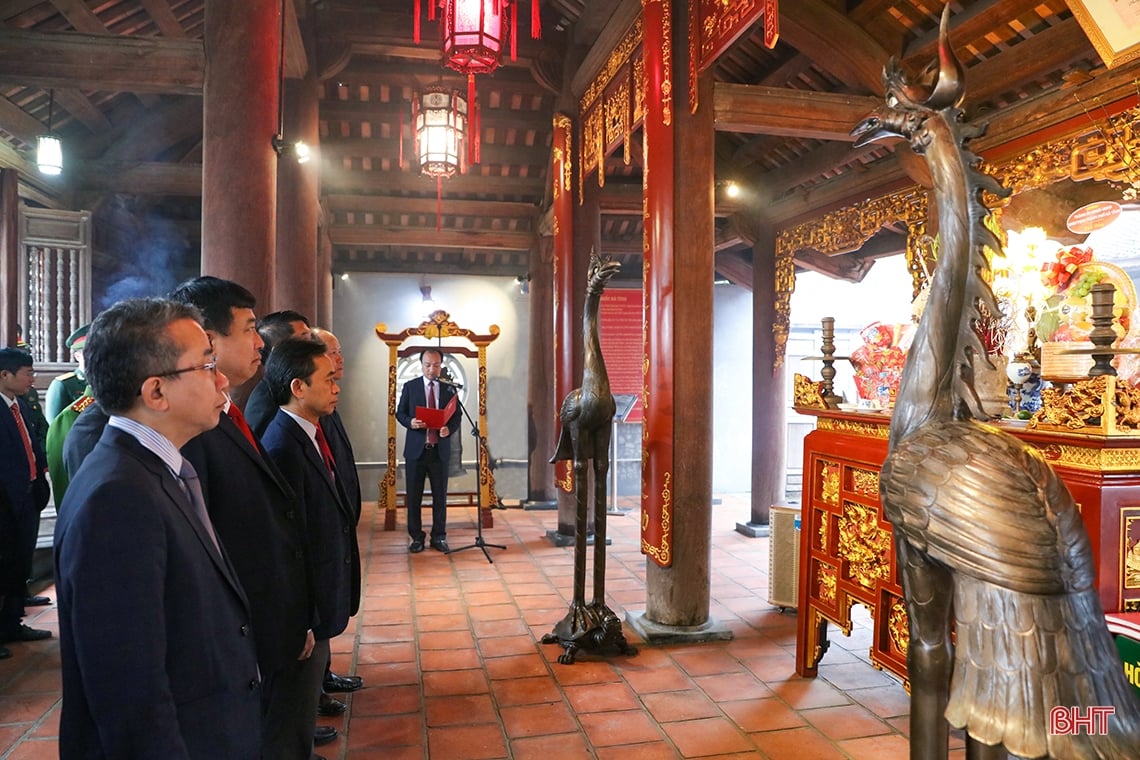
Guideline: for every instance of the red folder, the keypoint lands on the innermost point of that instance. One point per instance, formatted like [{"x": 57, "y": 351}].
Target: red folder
[{"x": 436, "y": 418}]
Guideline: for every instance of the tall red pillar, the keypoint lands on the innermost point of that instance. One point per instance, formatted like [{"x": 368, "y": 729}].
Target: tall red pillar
[
  {"x": 298, "y": 205},
  {"x": 239, "y": 165},
  {"x": 679, "y": 272}
]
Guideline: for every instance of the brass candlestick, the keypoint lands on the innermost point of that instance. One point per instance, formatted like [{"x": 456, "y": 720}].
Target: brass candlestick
[
  {"x": 827, "y": 349},
  {"x": 1102, "y": 335}
]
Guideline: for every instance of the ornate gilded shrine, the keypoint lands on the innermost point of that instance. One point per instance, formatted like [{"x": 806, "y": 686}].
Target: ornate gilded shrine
[
  {"x": 1102, "y": 149},
  {"x": 847, "y": 555},
  {"x": 438, "y": 327}
]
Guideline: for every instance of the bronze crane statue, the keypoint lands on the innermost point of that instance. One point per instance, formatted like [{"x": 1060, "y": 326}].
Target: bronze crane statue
[
  {"x": 587, "y": 416},
  {"x": 987, "y": 537}
]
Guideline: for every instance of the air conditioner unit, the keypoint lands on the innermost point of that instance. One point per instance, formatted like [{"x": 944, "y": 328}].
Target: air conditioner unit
[{"x": 784, "y": 557}]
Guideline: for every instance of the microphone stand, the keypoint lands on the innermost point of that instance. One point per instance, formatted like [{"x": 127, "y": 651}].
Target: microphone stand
[{"x": 480, "y": 443}]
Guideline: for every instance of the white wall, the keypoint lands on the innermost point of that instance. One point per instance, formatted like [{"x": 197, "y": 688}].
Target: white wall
[{"x": 475, "y": 303}]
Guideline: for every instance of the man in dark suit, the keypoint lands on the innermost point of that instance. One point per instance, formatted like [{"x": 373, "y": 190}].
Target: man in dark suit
[
  {"x": 427, "y": 451},
  {"x": 333, "y": 427},
  {"x": 157, "y": 656},
  {"x": 23, "y": 477},
  {"x": 259, "y": 521},
  {"x": 301, "y": 377},
  {"x": 273, "y": 328},
  {"x": 82, "y": 437}
]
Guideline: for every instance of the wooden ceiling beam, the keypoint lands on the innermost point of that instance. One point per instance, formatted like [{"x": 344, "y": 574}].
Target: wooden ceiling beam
[
  {"x": 736, "y": 267},
  {"x": 395, "y": 206},
  {"x": 19, "y": 123},
  {"x": 390, "y": 113},
  {"x": 336, "y": 148},
  {"x": 790, "y": 113},
  {"x": 80, "y": 16},
  {"x": 836, "y": 44},
  {"x": 397, "y": 182},
  {"x": 82, "y": 109},
  {"x": 603, "y": 44},
  {"x": 413, "y": 75},
  {"x": 164, "y": 18},
  {"x": 140, "y": 178},
  {"x": 376, "y": 31},
  {"x": 372, "y": 235},
  {"x": 450, "y": 263},
  {"x": 101, "y": 62}
]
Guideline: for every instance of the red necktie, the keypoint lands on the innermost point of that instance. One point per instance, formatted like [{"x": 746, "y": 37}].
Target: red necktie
[
  {"x": 27, "y": 440},
  {"x": 432, "y": 434},
  {"x": 239, "y": 420},
  {"x": 326, "y": 452}
]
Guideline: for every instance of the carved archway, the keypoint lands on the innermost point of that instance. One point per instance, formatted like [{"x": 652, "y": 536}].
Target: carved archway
[{"x": 412, "y": 340}]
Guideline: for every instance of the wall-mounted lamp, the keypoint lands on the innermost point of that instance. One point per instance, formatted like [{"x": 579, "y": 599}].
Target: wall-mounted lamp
[
  {"x": 344, "y": 277},
  {"x": 731, "y": 189},
  {"x": 523, "y": 281},
  {"x": 428, "y": 303},
  {"x": 49, "y": 149},
  {"x": 300, "y": 149}
]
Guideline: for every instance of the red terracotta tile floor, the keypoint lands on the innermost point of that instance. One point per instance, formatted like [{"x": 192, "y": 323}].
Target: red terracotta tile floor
[{"x": 449, "y": 647}]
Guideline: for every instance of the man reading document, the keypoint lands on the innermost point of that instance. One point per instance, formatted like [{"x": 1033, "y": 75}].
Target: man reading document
[{"x": 428, "y": 409}]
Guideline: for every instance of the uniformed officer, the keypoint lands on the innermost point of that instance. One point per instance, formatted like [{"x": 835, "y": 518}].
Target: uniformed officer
[
  {"x": 56, "y": 435},
  {"x": 68, "y": 387}
]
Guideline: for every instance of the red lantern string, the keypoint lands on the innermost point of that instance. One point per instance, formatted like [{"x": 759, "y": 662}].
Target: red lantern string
[
  {"x": 401, "y": 164},
  {"x": 438, "y": 200},
  {"x": 514, "y": 34},
  {"x": 476, "y": 132},
  {"x": 416, "y": 24},
  {"x": 535, "y": 21}
]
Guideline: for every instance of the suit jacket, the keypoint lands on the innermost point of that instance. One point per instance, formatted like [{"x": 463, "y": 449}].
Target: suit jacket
[
  {"x": 414, "y": 395},
  {"x": 259, "y": 408},
  {"x": 341, "y": 448},
  {"x": 82, "y": 437},
  {"x": 261, "y": 522},
  {"x": 329, "y": 523},
  {"x": 157, "y": 654},
  {"x": 23, "y": 494}
]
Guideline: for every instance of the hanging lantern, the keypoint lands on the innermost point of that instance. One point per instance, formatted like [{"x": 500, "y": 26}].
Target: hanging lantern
[
  {"x": 439, "y": 120},
  {"x": 440, "y": 123},
  {"x": 473, "y": 32},
  {"x": 49, "y": 149}
]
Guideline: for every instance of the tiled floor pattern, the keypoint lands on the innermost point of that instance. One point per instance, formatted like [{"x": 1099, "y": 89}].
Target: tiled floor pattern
[{"x": 449, "y": 649}]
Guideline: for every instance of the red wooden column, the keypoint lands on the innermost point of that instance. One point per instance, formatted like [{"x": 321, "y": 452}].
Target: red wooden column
[
  {"x": 572, "y": 246},
  {"x": 9, "y": 263},
  {"x": 769, "y": 430},
  {"x": 239, "y": 165},
  {"x": 678, "y": 276},
  {"x": 542, "y": 410},
  {"x": 298, "y": 207}
]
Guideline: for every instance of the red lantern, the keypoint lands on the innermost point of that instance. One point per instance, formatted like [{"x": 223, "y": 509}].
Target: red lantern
[{"x": 473, "y": 32}]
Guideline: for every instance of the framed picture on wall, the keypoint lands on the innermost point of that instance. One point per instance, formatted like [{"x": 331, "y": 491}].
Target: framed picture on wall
[{"x": 1112, "y": 26}]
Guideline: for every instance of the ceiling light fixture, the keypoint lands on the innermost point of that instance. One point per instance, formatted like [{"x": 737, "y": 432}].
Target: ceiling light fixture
[
  {"x": 49, "y": 149},
  {"x": 439, "y": 122},
  {"x": 299, "y": 148}
]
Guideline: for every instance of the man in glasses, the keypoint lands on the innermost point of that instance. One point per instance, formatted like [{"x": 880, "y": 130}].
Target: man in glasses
[
  {"x": 158, "y": 657},
  {"x": 260, "y": 522}
]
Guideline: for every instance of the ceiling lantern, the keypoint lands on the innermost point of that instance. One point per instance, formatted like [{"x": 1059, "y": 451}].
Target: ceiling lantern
[
  {"x": 472, "y": 34},
  {"x": 439, "y": 122}
]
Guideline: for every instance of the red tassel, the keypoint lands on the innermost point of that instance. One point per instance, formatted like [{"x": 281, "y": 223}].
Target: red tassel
[
  {"x": 478, "y": 133},
  {"x": 438, "y": 200},
  {"x": 535, "y": 21},
  {"x": 431, "y": 10},
  {"x": 401, "y": 164},
  {"x": 416, "y": 24},
  {"x": 514, "y": 30}
]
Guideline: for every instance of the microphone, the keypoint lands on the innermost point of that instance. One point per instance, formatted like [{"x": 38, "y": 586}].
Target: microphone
[{"x": 445, "y": 381}]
